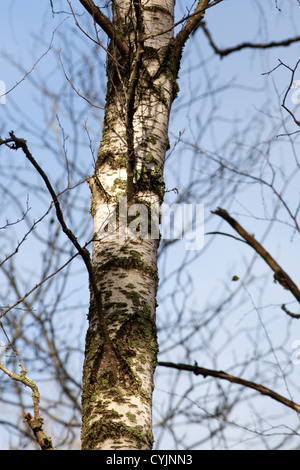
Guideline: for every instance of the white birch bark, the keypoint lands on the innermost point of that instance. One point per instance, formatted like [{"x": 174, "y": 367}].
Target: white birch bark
[{"x": 118, "y": 379}]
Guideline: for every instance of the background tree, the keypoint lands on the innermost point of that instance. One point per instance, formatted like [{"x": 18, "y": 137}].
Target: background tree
[{"x": 220, "y": 155}]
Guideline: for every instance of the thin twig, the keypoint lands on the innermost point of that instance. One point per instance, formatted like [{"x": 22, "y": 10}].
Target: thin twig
[
  {"x": 71, "y": 83},
  {"x": 35, "y": 64}
]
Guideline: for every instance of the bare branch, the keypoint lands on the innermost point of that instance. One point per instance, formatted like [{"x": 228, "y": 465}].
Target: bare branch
[
  {"x": 279, "y": 274},
  {"x": 35, "y": 422},
  {"x": 233, "y": 379},
  {"x": 246, "y": 45},
  {"x": 106, "y": 25},
  {"x": 98, "y": 42},
  {"x": 15, "y": 143},
  {"x": 192, "y": 22},
  {"x": 191, "y": 16}
]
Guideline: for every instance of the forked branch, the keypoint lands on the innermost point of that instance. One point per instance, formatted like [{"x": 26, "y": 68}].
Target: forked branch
[
  {"x": 35, "y": 422},
  {"x": 279, "y": 274}
]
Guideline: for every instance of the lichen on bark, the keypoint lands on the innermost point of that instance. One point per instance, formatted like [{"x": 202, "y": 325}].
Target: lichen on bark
[{"x": 118, "y": 377}]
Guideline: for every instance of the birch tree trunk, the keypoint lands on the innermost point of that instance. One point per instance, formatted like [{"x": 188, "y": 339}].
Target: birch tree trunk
[{"x": 127, "y": 189}]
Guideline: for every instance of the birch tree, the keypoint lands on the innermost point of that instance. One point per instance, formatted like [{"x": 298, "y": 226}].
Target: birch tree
[
  {"x": 120, "y": 360},
  {"x": 144, "y": 54}
]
